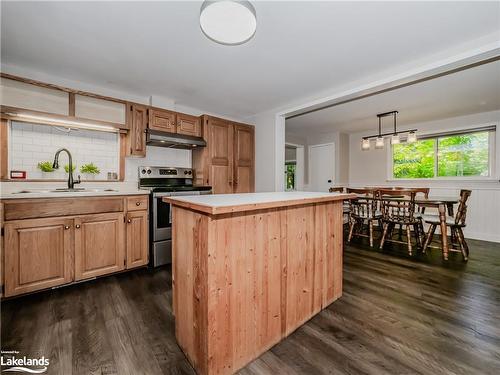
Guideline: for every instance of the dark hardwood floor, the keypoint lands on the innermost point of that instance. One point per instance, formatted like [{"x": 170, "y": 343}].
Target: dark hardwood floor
[{"x": 398, "y": 315}]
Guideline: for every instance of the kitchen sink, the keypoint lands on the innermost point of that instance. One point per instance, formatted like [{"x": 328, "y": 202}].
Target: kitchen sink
[{"x": 63, "y": 190}]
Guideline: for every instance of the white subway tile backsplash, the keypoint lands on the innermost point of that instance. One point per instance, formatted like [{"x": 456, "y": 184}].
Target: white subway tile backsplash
[{"x": 32, "y": 143}]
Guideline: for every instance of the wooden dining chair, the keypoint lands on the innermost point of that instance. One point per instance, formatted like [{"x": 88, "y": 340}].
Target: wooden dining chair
[
  {"x": 398, "y": 211},
  {"x": 362, "y": 211},
  {"x": 456, "y": 225}
]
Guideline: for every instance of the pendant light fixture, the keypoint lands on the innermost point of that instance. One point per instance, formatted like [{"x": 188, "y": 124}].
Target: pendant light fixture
[
  {"x": 394, "y": 135},
  {"x": 228, "y": 22}
]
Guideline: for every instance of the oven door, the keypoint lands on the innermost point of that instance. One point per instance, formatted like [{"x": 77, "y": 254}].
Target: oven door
[{"x": 162, "y": 215}]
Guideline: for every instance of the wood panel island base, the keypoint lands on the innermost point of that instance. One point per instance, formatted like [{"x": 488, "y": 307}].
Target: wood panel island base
[{"x": 249, "y": 269}]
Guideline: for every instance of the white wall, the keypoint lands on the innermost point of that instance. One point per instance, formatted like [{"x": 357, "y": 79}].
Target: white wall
[{"x": 371, "y": 168}]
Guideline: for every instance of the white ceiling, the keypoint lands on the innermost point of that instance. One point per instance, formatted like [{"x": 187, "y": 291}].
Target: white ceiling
[
  {"x": 466, "y": 92},
  {"x": 300, "y": 48}
]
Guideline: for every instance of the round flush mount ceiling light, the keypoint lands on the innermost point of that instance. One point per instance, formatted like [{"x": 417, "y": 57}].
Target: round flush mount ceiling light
[{"x": 228, "y": 22}]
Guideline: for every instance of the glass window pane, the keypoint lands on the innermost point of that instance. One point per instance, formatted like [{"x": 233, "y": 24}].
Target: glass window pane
[
  {"x": 464, "y": 155},
  {"x": 414, "y": 160}
]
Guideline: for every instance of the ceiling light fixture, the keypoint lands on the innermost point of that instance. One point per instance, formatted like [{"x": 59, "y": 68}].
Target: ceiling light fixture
[
  {"x": 228, "y": 22},
  {"x": 395, "y": 134}
]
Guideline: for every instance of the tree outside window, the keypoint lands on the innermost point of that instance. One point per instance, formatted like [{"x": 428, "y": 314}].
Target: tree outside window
[{"x": 463, "y": 155}]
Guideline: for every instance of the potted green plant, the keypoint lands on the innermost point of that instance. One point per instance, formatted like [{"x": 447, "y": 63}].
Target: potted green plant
[
  {"x": 66, "y": 168},
  {"x": 46, "y": 168},
  {"x": 89, "y": 170}
]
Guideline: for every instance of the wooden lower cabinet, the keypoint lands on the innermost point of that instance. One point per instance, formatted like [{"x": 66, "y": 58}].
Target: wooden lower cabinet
[
  {"x": 99, "y": 245},
  {"x": 137, "y": 239},
  {"x": 38, "y": 254},
  {"x": 44, "y": 252}
]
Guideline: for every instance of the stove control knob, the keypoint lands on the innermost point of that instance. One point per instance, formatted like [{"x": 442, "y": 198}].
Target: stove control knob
[
  {"x": 143, "y": 171},
  {"x": 190, "y": 172},
  {"x": 149, "y": 171},
  {"x": 185, "y": 172}
]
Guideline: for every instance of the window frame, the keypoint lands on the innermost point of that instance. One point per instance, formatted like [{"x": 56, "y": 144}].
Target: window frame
[{"x": 492, "y": 156}]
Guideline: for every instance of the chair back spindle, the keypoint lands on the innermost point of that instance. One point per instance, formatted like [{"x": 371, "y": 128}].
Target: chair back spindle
[{"x": 462, "y": 207}]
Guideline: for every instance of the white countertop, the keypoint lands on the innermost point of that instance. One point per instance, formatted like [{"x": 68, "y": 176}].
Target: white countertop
[
  {"x": 219, "y": 203},
  {"x": 8, "y": 192}
]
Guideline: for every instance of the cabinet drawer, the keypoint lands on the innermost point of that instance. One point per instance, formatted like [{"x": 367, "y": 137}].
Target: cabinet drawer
[
  {"x": 16, "y": 209},
  {"x": 137, "y": 203}
]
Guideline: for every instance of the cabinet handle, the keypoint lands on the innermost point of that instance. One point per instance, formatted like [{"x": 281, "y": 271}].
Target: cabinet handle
[
  {"x": 137, "y": 203},
  {"x": 66, "y": 227},
  {"x": 77, "y": 226},
  {"x": 129, "y": 221}
]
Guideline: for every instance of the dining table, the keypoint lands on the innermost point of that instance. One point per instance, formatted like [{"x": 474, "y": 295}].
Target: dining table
[{"x": 444, "y": 205}]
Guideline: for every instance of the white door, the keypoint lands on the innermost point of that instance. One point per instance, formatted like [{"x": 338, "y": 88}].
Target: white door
[{"x": 321, "y": 167}]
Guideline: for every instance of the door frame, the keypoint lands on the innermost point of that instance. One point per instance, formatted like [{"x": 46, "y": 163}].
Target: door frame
[{"x": 310, "y": 160}]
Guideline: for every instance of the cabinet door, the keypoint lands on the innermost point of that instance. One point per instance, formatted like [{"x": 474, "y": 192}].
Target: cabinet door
[
  {"x": 38, "y": 254},
  {"x": 162, "y": 120},
  {"x": 137, "y": 238},
  {"x": 220, "y": 136},
  {"x": 244, "y": 155},
  {"x": 137, "y": 121},
  {"x": 99, "y": 245},
  {"x": 188, "y": 125}
]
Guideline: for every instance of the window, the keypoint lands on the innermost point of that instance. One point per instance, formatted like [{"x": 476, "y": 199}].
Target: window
[
  {"x": 290, "y": 176},
  {"x": 467, "y": 154}
]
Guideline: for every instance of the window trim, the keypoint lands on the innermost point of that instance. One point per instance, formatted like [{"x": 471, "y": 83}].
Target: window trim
[{"x": 492, "y": 159}]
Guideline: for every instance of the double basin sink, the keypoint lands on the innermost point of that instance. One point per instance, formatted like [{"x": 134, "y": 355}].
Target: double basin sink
[{"x": 62, "y": 190}]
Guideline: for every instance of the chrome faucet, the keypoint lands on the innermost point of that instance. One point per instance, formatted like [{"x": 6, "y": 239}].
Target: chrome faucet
[{"x": 55, "y": 165}]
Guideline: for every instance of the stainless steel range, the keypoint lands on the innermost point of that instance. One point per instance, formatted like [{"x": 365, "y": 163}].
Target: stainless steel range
[{"x": 164, "y": 182}]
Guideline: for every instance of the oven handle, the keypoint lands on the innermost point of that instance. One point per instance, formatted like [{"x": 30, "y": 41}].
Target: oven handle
[{"x": 175, "y": 193}]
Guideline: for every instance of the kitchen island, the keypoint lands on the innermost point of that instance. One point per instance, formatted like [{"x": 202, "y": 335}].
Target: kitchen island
[{"x": 249, "y": 269}]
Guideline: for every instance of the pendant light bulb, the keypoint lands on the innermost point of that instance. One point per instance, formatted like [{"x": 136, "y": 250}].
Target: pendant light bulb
[
  {"x": 395, "y": 139},
  {"x": 379, "y": 143},
  {"x": 412, "y": 137},
  {"x": 365, "y": 144}
]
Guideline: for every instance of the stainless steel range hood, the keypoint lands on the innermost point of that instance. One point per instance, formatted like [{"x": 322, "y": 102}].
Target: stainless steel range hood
[{"x": 161, "y": 139}]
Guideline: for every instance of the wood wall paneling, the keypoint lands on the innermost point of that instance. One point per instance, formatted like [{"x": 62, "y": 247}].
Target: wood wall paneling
[{"x": 244, "y": 281}]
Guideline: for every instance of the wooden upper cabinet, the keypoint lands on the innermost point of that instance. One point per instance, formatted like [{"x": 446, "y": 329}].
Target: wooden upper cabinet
[
  {"x": 228, "y": 162},
  {"x": 244, "y": 159},
  {"x": 220, "y": 140},
  {"x": 137, "y": 238},
  {"x": 99, "y": 245},
  {"x": 38, "y": 254},
  {"x": 137, "y": 120},
  {"x": 162, "y": 120},
  {"x": 188, "y": 125}
]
